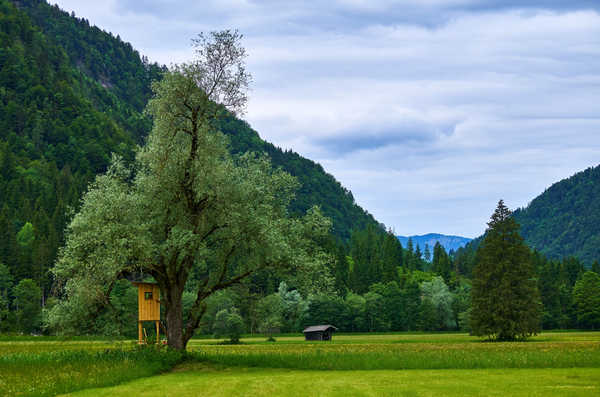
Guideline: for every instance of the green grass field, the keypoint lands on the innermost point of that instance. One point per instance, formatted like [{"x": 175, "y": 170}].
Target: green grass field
[
  {"x": 211, "y": 381},
  {"x": 552, "y": 364}
]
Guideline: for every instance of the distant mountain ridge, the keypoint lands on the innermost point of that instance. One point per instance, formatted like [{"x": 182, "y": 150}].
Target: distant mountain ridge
[{"x": 448, "y": 242}]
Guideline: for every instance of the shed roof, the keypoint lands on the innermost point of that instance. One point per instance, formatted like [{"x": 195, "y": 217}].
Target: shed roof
[
  {"x": 144, "y": 283},
  {"x": 317, "y": 328}
]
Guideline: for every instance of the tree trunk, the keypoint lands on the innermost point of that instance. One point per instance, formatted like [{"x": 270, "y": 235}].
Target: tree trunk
[{"x": 174, "y": 313}]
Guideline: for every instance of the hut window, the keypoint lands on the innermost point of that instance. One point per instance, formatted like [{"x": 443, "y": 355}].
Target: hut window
[{"x": 147, "y": 295}]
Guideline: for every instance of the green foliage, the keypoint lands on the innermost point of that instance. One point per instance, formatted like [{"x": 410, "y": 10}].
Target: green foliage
[
  {"x": 58, "y": 126},
  {"x": 586, "y": 296},
  {"x": 555, "y": 282},
  {"x": 376, "y": 256},
  {"x": 505, "y": 298},
  {"x": 220, "y": 300},
  {"x": 229, "y": 323},
  {"x": 439, "y": 297},
  {"x": 293, "y": 308},
  {"x": 323, "y": 309},
  {"x": 441, "y": 263},
  {"x": 374, "y": 314},
  {"x": 27, "y": 302},
  {"x": 6, "y": 280},
  {"x": 461, "y": 305},
  {"x": 26, "y": 236},
  {"x": 466, "y": 257},
  {"x": 355, "y": 319},
  {"x": 269, "y": 312},
  {"x": 565, "y": 219}
]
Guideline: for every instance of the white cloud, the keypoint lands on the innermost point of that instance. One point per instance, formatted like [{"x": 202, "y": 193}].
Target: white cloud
[{"x": 428, "y": 112}]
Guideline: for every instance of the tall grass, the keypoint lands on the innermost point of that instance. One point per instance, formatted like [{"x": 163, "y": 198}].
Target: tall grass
[
  {"x": 51, "y": 373},
  {"x": 42, "y": 346},
  {"x": 482, "y": 356}
]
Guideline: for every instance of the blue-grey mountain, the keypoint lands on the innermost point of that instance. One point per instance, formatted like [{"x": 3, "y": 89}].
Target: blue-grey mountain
[{"x": 448, "y": 242}]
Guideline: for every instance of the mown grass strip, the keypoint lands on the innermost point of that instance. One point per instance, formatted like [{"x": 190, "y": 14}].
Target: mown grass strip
[
  {"x": 51, "y": 373},
  {"x": 205, "y": 380}
]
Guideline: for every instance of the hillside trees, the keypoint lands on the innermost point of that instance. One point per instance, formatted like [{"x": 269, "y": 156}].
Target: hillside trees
[
  {"x": 189, "y": 207},
  {"x": 504, "y": 295},
  {"x": 57, "y": 129},
  {"x": 565, "y": 219}
]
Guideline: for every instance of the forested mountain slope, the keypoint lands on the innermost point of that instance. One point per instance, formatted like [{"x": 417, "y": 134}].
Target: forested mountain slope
[
  {"x": 70, "y": 95},
  {"x": 58, "y": 128},
  {"x": 565, "y": 219},
  {"x": 563, "y": 222}
]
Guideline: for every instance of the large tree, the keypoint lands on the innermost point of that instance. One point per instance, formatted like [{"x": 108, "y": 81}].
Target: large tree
[
  {"x": 505, "y": 298},
  {"x": 186, "y": 213}
]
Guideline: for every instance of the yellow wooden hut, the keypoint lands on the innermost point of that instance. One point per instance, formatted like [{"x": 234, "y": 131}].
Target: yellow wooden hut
[{"x": 148, "y": 308}]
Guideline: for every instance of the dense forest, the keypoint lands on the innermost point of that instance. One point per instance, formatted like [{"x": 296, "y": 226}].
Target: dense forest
[
  {"x": 71, "y": 94},
  {"x": 565, "y": 219}
]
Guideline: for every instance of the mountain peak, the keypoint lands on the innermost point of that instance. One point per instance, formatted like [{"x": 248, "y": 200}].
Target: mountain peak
[{"x": 449, "y": 242}]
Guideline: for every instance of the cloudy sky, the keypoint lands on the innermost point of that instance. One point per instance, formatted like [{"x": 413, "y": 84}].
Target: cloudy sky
[{"x": 430, "y": 111}]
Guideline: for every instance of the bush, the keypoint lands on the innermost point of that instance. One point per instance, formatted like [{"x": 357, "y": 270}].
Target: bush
[{"x": 228, "y": 323}]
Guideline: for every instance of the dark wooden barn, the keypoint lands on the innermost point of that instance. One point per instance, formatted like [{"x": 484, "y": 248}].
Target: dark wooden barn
[{"x": 319, "y": 332}]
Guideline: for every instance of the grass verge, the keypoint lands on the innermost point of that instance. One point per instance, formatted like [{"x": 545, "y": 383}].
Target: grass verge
[{"x": 51, "y": 373}]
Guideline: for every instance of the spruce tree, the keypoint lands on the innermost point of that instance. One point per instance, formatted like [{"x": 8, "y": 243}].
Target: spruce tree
[
  {"x": 391, "y": 257},
  {"x": 441, "y": 263},
  {"x": 505, "y": 298}
]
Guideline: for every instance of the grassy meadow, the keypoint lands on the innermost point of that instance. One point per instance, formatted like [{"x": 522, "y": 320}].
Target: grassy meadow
[
  {"x": 48, "y": 368},
  {"x": 551, "y": 364}
]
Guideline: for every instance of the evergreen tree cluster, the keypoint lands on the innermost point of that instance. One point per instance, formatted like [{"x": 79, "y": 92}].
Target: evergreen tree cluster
[{"x": 58, "y": 128}]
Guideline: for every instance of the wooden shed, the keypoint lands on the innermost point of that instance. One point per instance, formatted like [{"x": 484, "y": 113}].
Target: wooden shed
[
  {"x": 319, "y": 332},
  {"x": 148, "y": 307}
]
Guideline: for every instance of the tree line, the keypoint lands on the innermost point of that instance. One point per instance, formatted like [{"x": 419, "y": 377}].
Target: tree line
[{"x": 413, "y": 300}]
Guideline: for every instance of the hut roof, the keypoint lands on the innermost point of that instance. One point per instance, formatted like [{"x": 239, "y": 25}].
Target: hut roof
[
  {"x": 144, "y": 283},
  {"x": 317, "y": 328}
]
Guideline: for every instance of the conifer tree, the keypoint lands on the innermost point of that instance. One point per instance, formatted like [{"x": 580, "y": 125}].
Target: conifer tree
[
  {"x": 427, "y": 253},
  {"x": 341, "y": 271},
  {"x": 441, "y": 263},
  {"x": 391, "y": 257},
  {"x": 505, "y": 298}
]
